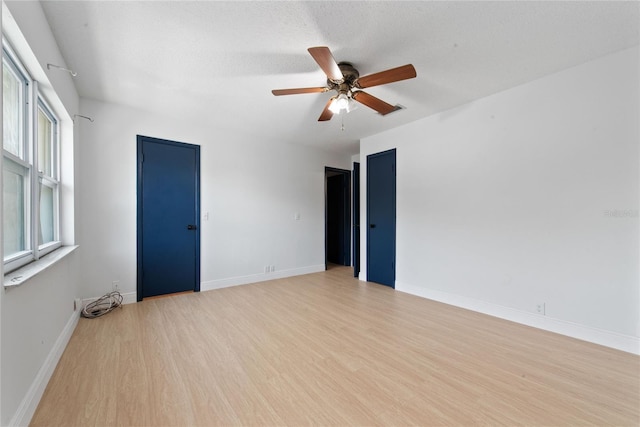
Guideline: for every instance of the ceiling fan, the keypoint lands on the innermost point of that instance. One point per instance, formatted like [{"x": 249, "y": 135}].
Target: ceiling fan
[{"x": 346, "y": 81}]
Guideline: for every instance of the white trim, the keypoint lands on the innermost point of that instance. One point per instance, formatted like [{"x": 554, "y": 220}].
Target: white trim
[
  {"x": 30, "y": 402},
  {"x": 244, "y": 280},
  {"x": 130, "y": 297},
  {"x": 127, "y": 298},
  {"x": 610, "y": 339}
]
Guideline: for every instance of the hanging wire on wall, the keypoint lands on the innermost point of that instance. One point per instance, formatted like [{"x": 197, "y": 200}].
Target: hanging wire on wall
[
  {"x": 83, "y": 117},
  {"x": 73, "y": 73}
]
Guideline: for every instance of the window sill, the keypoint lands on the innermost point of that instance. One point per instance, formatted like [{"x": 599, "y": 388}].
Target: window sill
[{"x": 21, "y": 275}]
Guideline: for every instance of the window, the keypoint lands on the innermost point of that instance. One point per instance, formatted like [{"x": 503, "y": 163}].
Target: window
[
  {"x": 29, "y": 167},
  {"x": 47, "y": 131}
]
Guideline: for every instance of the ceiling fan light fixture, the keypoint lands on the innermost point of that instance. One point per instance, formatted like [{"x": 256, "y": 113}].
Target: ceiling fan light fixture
[{"x": 340, "y": 102}]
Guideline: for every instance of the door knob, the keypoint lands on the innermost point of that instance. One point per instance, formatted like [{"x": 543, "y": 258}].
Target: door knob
[
  {"x": 191, "y": 227},
  {"x": 372, "y": 226}
]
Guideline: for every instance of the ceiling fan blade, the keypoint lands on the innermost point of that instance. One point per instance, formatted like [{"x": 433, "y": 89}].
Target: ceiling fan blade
[
  {"x": 324, "y": 58},
  {"x": 278, "y": 92},
  {"x": 372, "y": 102},
  {"x": 326, "y": 113},
  {"x": 388, "y": 76}
]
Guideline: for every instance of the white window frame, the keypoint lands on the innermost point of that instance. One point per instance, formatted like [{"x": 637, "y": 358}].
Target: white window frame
[
  {"x": 52, "y": 181},
  {"x": 33, "y": 101}
]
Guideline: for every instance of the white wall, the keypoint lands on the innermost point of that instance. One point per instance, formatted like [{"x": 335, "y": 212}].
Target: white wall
[
  {"x": 251, "y": 190},
  {"x": 38, "y": 316},
  {"x": 37, "y": 321},
  {"x": 510, "y": 201}
]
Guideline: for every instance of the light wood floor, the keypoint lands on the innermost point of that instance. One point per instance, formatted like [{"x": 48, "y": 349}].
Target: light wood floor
[{"x": 326, "y": 349}]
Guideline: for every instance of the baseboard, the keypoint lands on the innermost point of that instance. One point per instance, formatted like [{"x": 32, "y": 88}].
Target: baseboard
[
  {"x": 254, "y": 278},
  {"x": 29, "y": 404},
  {"x": 127, "y": 298},
  {"x": 130, "y": 297},
  {"x": 610, "y": 339}
]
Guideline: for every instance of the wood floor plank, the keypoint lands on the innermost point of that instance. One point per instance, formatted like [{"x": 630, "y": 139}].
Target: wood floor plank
[{"x": 327, "y": 349}]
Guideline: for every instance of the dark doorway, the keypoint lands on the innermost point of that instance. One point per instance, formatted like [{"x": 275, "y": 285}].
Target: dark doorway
[
  {"x": 381, "y": 218},
  {"x": 168, "y": 217},
  {"x": 337, "y": 216},
  {"x": 356, "y": 219}
]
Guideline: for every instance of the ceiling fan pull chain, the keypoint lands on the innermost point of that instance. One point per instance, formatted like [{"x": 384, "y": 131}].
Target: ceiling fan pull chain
[{"x": 342, "y": 127}]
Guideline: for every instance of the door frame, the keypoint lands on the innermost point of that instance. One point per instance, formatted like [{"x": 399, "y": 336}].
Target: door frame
[
  {"x": 330, "y": 171},
  {"x": 140, "y": 139},
  {"x": 355, "y": 254}
]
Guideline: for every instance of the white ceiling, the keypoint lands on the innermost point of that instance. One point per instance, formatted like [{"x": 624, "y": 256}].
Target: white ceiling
[{"x": 218, "y": 61}]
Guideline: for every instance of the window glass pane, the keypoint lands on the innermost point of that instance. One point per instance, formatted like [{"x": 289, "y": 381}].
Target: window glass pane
[
  {"x": 13, "y": 218},
  {"x": 45, "y": 131},
  {"x": 46, "y": 234},
  {"x": 12, "y": 110}
]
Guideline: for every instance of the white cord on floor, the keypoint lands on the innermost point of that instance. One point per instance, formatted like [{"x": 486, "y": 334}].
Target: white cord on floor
[{"x": 102, "y": 305}]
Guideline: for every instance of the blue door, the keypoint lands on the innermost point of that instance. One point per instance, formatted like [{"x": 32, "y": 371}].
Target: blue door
[
  {"x": 168, "y": 217},
  {"x": 381, "y": 218}
]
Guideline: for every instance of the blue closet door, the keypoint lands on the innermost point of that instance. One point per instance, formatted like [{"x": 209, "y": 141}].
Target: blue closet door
[
  {"x": 381, "y": 218},
  {"x": 168, "y": 217}
]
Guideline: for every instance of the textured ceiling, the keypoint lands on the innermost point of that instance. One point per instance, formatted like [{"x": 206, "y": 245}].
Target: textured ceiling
[{"x": 218, "y": 61}]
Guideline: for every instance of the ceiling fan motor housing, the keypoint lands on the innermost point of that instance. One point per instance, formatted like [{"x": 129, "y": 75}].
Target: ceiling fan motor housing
[{"x": 350, "y": 75}]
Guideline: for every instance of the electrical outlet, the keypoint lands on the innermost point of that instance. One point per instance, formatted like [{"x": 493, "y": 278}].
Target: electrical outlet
[
  {"x": 273, "y": 268},
  {"x": 540, "y": 308},
  {"x": 266, "y": 268},
  {"x": 115, "y": 286}
]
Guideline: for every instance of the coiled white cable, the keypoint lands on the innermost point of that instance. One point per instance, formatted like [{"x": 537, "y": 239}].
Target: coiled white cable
[{"x": 103, "y": 305}]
